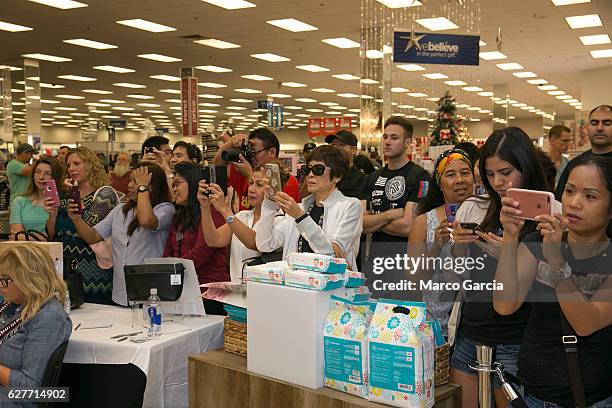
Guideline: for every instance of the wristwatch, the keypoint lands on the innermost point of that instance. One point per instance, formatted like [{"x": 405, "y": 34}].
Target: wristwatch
[
  {"x": 142, "y": 189},
  {"x": 563, "y": 272},
  {"x": 230, "y": 219}
]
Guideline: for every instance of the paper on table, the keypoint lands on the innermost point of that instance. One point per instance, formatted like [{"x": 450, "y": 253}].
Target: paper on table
[
  {"x": 231, "y": 286},
  {"x": 98, "y": 323}
]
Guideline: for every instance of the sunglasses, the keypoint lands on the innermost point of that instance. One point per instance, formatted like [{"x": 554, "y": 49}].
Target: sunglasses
[
  {"x": 4, "y": 282},
  {"x": 317, "y": 169}
]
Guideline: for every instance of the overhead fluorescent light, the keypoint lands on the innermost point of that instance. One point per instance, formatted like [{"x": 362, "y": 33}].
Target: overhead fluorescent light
[
  {"x": 312, "y": 68},
  {"x": 172, "y": 100},
  {"x": 236, "y": 107},
  {"x": 112, "y": 68},
  {"x": 10, "y": 68},
  {"x": 211, "y": 85},
  {"x": 410, "y": 67},
  {"x": 148, "y": 105},
  {"x": 230, "y": 4},
  {"x": 170, "y": 91},
  {"x": 306, "y": 100},
  {"x": 455, "y": 83},
  {"x": 111, "y": 101},
  {"x": 208, "y": 104},
  {"x": 482, "y": 43},
  {"x": 572, "y": 100},
  {"x": 556, "y": 93},
  {"x": 159, "y": 58},
  {"x": 293, "y": 107},
  {"x": 256, "y": 77},
  {"x": 46, "y": 57},
  {"x": 400, "y": 3},
  {"x": 97, "y": 91},
  {"x": 279, "y": 95},
  {"x": 69, "y": 96},
  {"x": 122, "y": 108},
  {"x": 585, "y": 21},
  {"x": 49, "y": 101},
  {"x": 146, "y": 25},
  {"x": 472, "y": 89},
  {"x": 210, "y": 96},
  {"x": 129, "y": 85},
  {"x": 291, "y": 24},
  {"x": 51, "y": 86},
  {"x": 374, "y": 54},
  {"x": 61, "y": 4},
  {"x": 213, "y": 68},
  {"x": 601, "y": 53},
  {"x": 314, "y": 110},
  {"x": 139, "y": 96},
  {"x": 13, "y": 28},
  {"x": 214, "y": 43},
  {"x": 485, "y": 93},
  {"x": 367, "y": 81},
  {"x": 564, "y": 97},
  {"x": 348, "y": 95},
  {"x": 169, "y": 78},
  {"x": 66, "y": 108},
  {"x": 247, "y": 91},
  {"x": 547, "y": 88},
  {"x": 525, "y": 74},
  {"x": 398, "y": 90},
  {"x": 346, "y": 77},
  {"x": 537, "y": 81},
  {"x": 293, "y": 84},
  {"x": 323, "y": 90},
  {"x": 595, "y": 39},
  {"x": 77, "y": 78},
  {"x": 509, "y": 66},
  {"x": 492, "y": 55},
  {"x": 270, "y": 57},
  {"x": 82, "y": 42},
  {"x": 437, "y": 23},
  {"x": 417, "y": 95},
  {"x": 435, "y": 75},
  {"x": 341, "y": 42},
  {"x": 568, "y": 2}
]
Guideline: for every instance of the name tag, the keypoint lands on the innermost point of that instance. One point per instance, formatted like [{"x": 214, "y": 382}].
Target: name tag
[{"x": 175, "y": 279}]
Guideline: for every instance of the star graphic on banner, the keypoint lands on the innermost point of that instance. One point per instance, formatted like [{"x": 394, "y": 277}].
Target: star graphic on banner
[{"x": 413, "y": 40}]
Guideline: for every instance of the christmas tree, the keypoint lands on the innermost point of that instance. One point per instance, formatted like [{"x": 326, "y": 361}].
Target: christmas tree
[{"x": 444, "y": 125}]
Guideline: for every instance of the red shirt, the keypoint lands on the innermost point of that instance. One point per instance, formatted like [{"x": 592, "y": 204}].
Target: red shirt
[
  {"x": 211, "y": 264},
  {"x": 121, "y": 183},
  {"x": 241, "y": 187}
]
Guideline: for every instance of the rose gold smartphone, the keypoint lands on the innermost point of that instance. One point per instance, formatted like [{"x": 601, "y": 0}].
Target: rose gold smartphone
[{"x": 532, "y": 202}]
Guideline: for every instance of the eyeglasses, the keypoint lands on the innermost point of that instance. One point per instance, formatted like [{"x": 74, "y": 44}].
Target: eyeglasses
[
  {"x": 176, "y": 182},
  {"x": 260, "y": 150},
  {"x": 4, "y": 282},
  {"x": 317, "y": 169}
]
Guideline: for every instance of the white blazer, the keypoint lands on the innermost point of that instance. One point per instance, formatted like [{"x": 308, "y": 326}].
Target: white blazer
[{"x": 342, "y": 225}]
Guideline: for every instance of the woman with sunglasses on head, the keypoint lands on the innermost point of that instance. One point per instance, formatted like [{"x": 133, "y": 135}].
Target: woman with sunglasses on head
[
  {"x": 326, "y": 222},
  {"x": 33, "y": 322},
  {"x": 138, "y": 228},
  {"x": 28, "y": 215},
  {"x": 186, "y": 239},
  {"x": 565, "y": 267},
  {"x": 507, "y": 159},
  {"x": 453, "y": 183}
]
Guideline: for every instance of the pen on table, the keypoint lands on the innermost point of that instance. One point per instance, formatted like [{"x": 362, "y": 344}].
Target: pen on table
[{"x": 77, "y": 328}]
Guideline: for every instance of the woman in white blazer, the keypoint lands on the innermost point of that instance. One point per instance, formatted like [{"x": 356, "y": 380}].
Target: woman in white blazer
[{"x": 326, "y": 222}]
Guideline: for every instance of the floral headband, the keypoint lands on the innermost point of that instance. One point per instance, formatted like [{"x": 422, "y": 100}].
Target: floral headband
[{"x": 447, "y": 158}]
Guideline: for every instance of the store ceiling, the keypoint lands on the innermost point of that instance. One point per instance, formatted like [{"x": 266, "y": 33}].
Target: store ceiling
[{"x": 535, "y": 35}]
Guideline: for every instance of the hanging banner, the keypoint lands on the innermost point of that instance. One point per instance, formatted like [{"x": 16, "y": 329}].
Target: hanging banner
[
  {"x": 328, "y": 126},
  {"x": 189, "y": 103},
  {"x": 428, "y": 48}
]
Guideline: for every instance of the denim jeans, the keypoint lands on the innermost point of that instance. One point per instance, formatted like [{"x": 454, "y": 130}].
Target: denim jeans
[{"x": 533, "y": 402}]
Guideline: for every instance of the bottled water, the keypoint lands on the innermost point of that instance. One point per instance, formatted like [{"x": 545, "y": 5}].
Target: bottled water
[{"x": 154, "y": 314}]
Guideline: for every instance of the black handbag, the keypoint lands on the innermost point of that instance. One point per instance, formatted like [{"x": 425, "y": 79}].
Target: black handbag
[{"x": 74, "y": 281}]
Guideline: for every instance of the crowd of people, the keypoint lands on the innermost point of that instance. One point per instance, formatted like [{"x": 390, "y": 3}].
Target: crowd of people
[{"x": 163, "y": 206}]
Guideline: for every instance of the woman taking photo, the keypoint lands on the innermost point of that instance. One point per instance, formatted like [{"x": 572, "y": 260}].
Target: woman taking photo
[
  {"x": 326, "y": 222},
  {"x": 86, "y": 172},
  {"x": 28, "y": 215},
  {"x": 138, "y": 228},
  {"x": 238, "y": 230},
  {"x": 565, "y": 265},
  {"x": 453, "y": 183},
  {"x": 186, "y": 239},
  {"x": 33, "y": 320},
  {"x": 507, "y": 159}
]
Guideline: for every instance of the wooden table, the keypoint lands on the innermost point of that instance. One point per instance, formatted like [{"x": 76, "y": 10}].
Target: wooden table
[{"x": 220, "y": 380}]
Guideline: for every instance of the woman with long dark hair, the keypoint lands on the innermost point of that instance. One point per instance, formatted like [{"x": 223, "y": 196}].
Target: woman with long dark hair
[
  {"x": 186, "y": 239},
  {"x": 142, "y": 224},
  {"x": 565, "y": 267},
  {"x": 507, "y": 159}
]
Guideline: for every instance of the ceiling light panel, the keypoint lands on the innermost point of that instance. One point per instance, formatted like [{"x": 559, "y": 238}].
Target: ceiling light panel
[
  {"x": 547, "y": 88},
  {"x": 146, "y": 25},
  {"x": 312, "y": 68},
  {"x": 400, "y": 3},
  {"x": 293, "y": 84},
  {"x": 509, "y": 66},
  {"x": 585, "y": 21},
  {"x": 455, "y": 83},
  {"x": 230, "y": 4},
  {"x": 211, "y": 85},
  {"x": 437, "y": 23},
  {"x": 129, "y": 85},
  {"x": 305, "y": 100},
  {"x": 214, "y": 43},
  {"x": 69, "y": 96},
  {"x": 601, "y": 53},
  {"x": 97, "y": 91},
  {"x": 291, "y": 24},
  {"x": 213, "y": 68},
  {"x": 13, "y": 28},
  {"x": 77, "y": 78},
  {"x": 139, "y": 96},
  {"x": 568, "y": 2},
  {"x": 169, "y": 78},
  {"x": 159, "y": 58},
  {"x": 112, "y": 68},
  {"x": 247, "y": 91},
  {"x": 270, "y": 57},
  {"x": 61, "y": 4},
  {"x": 525, "y": 74},
  {"x": 346, "y": 77},
  {"x": 435, "y": 76},
  {"x": 323, "y": 90},
  {"x": 82, "y": 42},
  {"x": 411, "y": 67},
  {"x": 46, "y": 57},
  {"x": 492, "y": 55},
  {"x": 170, "y": 91},
  {"x": 256, "y": 77},
  {"x": 537, "y": 81},
  {"x": 341, "y": 42},
  {"x": 595, "y": 39}
]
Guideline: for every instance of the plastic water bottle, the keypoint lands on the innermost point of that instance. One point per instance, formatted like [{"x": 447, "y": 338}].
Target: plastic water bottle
[{"x": 154, "y": 314}]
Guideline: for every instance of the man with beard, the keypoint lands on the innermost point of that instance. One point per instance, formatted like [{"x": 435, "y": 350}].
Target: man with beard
[
  {"x": 120, "y": 177},
  {"x": 389, "y": 199},
  {"x": 600, "y": 135}
]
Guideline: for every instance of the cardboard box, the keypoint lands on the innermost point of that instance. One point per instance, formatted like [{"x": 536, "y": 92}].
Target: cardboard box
[
  {"x": 285, "y": 332},
  {"x": 55, "y": 249}
]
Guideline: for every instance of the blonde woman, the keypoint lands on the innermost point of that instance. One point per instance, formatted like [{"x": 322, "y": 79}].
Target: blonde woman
[
  {"x": 33, "y": 322},
  {"x": 98, "y": 198}
]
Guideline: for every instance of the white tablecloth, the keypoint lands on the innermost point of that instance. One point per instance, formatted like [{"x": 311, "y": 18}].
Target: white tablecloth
[{"x": 163, "y": 360}]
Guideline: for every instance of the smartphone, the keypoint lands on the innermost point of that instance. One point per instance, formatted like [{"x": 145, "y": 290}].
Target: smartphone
[
  {"x": 479, "y": 190},
  {"x": 50, "y": 191},
  {"x": 217, "y": 175},
  {"x": 532, "y": 202},
  {"x": 150, "y": 150},
  {"x": 469, "y": 225},
  {"x": 75, "y": 195},
  {"x": 451, "y": 211},
  {"x": 273, "y": 175}
]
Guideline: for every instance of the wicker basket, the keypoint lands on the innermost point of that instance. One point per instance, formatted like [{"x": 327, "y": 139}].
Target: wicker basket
[
  {"x": 4, "y": 223},
  {"x": 235, "y": 337},
  {"x": 442, "y": 365}
]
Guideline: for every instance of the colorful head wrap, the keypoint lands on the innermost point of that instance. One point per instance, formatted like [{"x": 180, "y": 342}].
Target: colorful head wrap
[{"x": 447, "y": 158}]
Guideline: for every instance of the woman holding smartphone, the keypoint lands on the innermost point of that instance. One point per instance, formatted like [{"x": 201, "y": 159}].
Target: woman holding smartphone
[
  {"x": 453, "y": 183},
  {"x": 28, "y": 215},
  {"x": 565, "y": 266},
  {"x": 89, "y": 182},
  {"x": 507, "y": 159}
]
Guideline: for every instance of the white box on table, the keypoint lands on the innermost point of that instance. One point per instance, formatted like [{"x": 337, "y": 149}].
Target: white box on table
[
  {"x": 55, "y": 250},
  {"x": 285, "y": 332}
]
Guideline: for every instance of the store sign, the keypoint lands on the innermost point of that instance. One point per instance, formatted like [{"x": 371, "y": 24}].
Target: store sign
[
  {"x": 189, "y": 106},
  {"x": 118, "y": 123},
  {"x": 328, "y": 126},
  {"x": 428, "y": 48}
]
